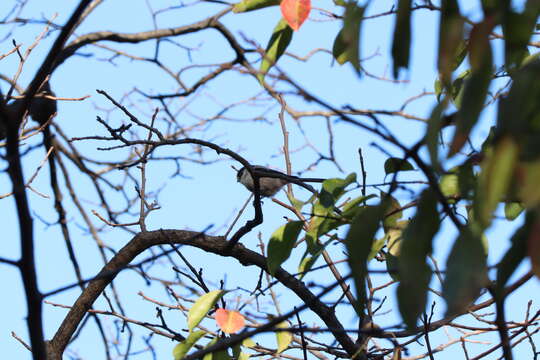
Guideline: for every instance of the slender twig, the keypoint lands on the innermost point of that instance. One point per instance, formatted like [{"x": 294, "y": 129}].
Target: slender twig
[{"x": 304, "y": 345}]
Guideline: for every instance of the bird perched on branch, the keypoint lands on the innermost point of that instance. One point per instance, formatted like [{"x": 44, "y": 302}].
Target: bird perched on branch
[
  {"x": 271, "y": 181},
  {"x": 41, "y": 108}
]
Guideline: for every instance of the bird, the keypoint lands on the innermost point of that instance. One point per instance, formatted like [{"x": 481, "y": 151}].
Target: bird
[
  {"x": 41, "y": 108},
  {"x": 271, "y": 181}
]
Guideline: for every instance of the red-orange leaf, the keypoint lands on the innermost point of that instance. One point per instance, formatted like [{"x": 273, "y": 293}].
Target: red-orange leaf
[
  {"x": 295, "y": 12},
  {"x": 229, "y": 321}
]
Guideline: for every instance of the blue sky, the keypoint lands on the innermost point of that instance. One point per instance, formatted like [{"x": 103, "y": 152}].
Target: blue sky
[{"x": 209, "y": 195}]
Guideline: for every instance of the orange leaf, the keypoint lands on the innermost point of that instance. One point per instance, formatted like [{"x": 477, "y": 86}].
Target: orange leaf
[
  {"x": 229, "y": 321},
  {"x": 295, "y": 12}
]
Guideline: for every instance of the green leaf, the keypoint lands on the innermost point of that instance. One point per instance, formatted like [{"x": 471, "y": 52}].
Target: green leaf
[
  {"x": 328, "y": 225},
  {"x": 359, "y": 242},
  {"x": 392, "y": 165},
  {"x": 458, "y": 182},
  {"x": 466, "y": 179},
  {"x": 217, "y": 355},
  {"x": 377, "y": 246},
  {"x": 249, "y": 5},
  {"x": 518, "y": 29},
  {"x": 284, "y": 338},
  {"x": 527, "y": 60},
  {"x": 465, "y": 272},
  {"x": 402, "y": 37},
  {"x": 394, "y": 236},
  {"x": 512, "y": 210},
  {"x": 319, "y": 217},
  {"x": 476, "y": 86},
  {"x": 249, "y": 343},
  {"x": 519, "y": 112},
  {"x": 393, "y": 239},
  {"x": 181, "y": 349},
  {"x": 238, "y": 354},
  {"x": 323, "y": 219},
  {"x": 529, "y": 191},
  {"x": 306, "y": 263},
  {"x": 280, "y": 39},
  {"x": 416, "y": 246},
  {"x": 515, "y": 255},
  {"x": 310, "y": 257},
  {"x": 472, "y": 103},
  {"x": 346, "y": 45},
  {"x": 460, "y": 55},
  {"x": 243, "y": 356},
  {"x": 449, "y": 185},
  {"x": 392, "y": 266},
  {"x": 450, "y": 39},
  {"x": 333, "y": 189},
  {"x": 494, "y": 179},
  {"x": 236, "y": 350},
  {"x": 432, "y": 133},
  {"x": 438, "y": 88},
  {"x": 480, "y": 52},
  {"x": 202, "y": 306},
  {"x": 352, "y": 207},
  {"x": 298, "y": 204},
  {"x": 393, "y": 212},
  {"x": 281, "y": 244},
  {"x": 457, "y": 89}
]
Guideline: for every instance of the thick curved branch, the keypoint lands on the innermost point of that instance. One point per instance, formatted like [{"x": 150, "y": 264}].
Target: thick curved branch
[{"x": 212, "y": 244}]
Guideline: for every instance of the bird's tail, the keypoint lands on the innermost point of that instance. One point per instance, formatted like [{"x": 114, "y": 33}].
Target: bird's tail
[{"x": 315, "y": 180}]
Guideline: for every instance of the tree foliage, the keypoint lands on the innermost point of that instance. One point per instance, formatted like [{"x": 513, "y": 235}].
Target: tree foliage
[{"x": 477, "y": 154}]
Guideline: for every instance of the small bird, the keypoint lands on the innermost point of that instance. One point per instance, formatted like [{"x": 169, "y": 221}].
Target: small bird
[
  {"x": 41, "y": 107},
  {"x": 271, "y": 181}
]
